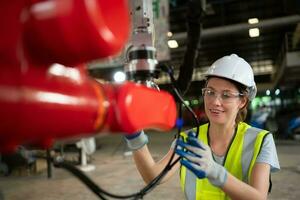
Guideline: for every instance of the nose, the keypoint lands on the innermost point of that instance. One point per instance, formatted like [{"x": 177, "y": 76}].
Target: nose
[{"x": 217, "y": 99}]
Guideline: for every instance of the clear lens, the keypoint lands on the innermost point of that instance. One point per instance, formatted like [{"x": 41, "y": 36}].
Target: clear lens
[{"x": 226, "y": 96}]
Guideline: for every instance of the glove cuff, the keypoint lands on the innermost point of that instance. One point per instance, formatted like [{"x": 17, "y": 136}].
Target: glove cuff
[
  {"x": 220, "y": 178},
  {"x": 137, "y": 142}
]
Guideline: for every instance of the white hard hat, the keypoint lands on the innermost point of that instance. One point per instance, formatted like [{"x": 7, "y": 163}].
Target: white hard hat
[{"x": 234, "y": 68}]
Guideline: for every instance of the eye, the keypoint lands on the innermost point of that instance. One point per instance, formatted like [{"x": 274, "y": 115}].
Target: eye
[
  {"x": 210, "y": 92},
  {"x": 226, "y": 95}
]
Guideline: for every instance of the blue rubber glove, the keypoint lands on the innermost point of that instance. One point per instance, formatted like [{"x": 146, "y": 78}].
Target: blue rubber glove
[
  {"x": 198, "y": 159},
  {"x": 136, "y": 141}
]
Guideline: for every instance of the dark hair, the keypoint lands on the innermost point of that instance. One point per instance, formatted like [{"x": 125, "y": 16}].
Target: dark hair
[{"x": 242, "y": 114}]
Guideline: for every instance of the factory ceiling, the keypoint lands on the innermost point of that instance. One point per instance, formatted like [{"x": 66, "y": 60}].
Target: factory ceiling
[{"x": 225, "y": 30}]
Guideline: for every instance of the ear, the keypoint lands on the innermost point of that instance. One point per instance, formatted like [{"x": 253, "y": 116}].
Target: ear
[{"x": 243, "y": 102}]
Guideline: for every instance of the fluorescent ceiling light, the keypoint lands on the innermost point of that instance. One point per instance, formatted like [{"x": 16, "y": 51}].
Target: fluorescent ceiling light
[
  {"x": 172, "y": 44},
  {"x": 253, "y": 21},
  {"x": 169, "y": 34},
  {"x": 254, "y": 32}
]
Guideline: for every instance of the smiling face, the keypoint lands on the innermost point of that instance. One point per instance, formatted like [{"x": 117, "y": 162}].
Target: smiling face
[{"x": 222, "y": 101}]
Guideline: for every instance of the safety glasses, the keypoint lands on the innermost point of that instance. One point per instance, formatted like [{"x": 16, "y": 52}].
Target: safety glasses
[{"x": 225, "y": 96}]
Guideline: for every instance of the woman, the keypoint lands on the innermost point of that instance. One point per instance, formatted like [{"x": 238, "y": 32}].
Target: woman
[{"x": 227, "y": 159}]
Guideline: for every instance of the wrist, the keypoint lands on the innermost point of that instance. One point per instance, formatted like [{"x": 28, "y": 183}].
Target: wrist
[
  {"x": 136, "y": 141},
  {"x": 219, "y": 178},
  {"x": 133, "y": 136}
]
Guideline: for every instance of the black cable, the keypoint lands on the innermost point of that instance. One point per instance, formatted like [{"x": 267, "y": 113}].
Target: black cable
[
  {"x": 195, "y": 13},
  {"x": 79, "y": 174},
  {"x": 101, "y": 193},
  {"x": 167, "y": 168},
  {"x": 169, "y": 165},
  {"x": 170, "y": 72}
]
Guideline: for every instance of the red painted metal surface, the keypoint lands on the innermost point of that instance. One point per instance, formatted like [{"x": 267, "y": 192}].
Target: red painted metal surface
[
  {"x": 46, "y": 104},
  {"x": 75, "y": 31},
  {"x": 42, "y": 101},
  {"x": 136, "y": 107},
  {"x": 140, "y": 108}
]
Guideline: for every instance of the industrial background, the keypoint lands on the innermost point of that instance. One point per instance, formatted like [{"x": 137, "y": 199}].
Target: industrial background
[{"x": 266, "y": 33}]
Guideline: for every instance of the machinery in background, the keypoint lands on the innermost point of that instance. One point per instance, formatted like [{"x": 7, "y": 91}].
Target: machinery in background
[
  {"x": 294, "y": 128},
  {"x": 45, "y": 92},
  {"x": 87, "y": 147},
  {"x": 141, "y": 53}
]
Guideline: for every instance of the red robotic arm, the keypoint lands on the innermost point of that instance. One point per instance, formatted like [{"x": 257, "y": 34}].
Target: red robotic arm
[{"x": 41, "y": 101}]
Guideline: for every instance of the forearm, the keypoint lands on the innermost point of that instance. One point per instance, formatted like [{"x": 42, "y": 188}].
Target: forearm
[
  {"x": 238, "y": 190},
  {"x": 144, "y": 163},
  {"x": 148, "y": 168}
]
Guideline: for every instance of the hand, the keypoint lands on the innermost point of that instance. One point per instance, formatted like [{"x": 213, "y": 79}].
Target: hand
[
  {"x": 198, "y": 159},
  {"x": 137, "y": 140}
]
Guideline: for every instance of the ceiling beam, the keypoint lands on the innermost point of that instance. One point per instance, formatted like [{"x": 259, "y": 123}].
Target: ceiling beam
[{"x": 237, "y": 28}]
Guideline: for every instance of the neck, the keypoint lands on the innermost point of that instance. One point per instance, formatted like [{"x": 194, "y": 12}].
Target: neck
[
  {"x": 221, "y": 131},
  {"x": 220, "y": 137}
]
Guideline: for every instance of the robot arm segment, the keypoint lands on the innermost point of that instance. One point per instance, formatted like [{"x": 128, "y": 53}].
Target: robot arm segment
[{"x": 41, "y": 101}]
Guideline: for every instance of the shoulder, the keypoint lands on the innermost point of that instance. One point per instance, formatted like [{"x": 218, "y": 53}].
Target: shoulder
[
  {"x": 268, "y": 153},
  {"x": 253, "y": 130}
]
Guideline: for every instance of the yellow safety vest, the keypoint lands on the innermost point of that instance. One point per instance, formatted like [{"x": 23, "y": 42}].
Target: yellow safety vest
[{"x": 238, "y": 161}]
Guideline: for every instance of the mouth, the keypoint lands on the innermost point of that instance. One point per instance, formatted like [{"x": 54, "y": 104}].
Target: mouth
[{"x": 216, "y": 111}]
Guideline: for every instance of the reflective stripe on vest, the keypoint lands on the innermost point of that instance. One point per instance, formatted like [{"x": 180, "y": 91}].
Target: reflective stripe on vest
[{"x": 239, "y": 162}]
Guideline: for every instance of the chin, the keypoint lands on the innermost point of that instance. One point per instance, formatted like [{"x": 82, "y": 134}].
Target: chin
[{"x": 217, "y": 120}]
